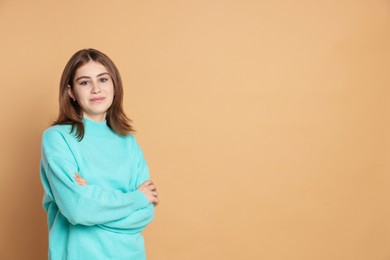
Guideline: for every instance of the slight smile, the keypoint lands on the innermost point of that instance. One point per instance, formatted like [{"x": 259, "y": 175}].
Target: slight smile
[{"x": 97, "y": 99}]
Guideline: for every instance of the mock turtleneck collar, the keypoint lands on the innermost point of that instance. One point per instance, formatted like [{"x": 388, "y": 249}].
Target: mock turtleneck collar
[{"x": 95, "y": 128}]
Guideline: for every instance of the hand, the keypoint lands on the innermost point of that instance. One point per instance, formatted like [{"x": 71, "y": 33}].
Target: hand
[
  {"x": 80, "y": 180},
  {"x": 150, "y": 191}
]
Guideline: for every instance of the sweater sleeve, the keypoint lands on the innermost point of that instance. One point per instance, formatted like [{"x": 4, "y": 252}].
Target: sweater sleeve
[
  {"x": 87, "y": 205},
  {"x": 142, "y": 167},
  {"x": 134, "y": 223},
  {"x": 138, "y": 220}
]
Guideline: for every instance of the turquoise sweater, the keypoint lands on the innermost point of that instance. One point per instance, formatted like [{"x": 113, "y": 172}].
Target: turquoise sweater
[{"x": 104, "y": 219}]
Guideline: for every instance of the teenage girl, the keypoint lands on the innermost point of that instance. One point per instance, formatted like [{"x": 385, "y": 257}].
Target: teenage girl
[{"x": 97, "y": 191}]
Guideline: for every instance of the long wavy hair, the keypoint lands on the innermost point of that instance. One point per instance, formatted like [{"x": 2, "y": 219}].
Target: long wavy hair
[{"x": 71, "y": 112}]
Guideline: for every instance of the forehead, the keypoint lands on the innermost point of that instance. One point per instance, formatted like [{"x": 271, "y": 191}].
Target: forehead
[{"x": 90, "y": 69}]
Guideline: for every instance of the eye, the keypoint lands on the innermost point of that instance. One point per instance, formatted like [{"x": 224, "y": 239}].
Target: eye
[
  {"x": 103, "y": 79},
  {"x": 83, "y": 83}
]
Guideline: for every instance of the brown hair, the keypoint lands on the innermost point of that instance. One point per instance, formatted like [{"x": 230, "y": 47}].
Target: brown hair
[{"x": 70, "y": 111}]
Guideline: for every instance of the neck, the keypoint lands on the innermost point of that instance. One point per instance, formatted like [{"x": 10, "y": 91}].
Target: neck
[{"x": 96, "y": 118}]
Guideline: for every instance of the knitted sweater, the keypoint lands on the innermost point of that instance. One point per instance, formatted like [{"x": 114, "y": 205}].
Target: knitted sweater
[{"x": 104, "y": 219}]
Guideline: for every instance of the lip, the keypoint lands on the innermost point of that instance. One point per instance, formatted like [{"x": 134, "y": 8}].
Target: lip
[{"x": 97, "y": 99}]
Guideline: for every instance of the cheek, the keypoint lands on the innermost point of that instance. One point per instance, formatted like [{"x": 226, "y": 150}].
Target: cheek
[
  {"x": 110, "y": 93},
  {"x": 80, "y": 93},
  {"x": 112, "y": 90}
]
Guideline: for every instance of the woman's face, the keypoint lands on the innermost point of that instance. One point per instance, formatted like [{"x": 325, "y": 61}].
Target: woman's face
[{"x": 93, "y": 89}]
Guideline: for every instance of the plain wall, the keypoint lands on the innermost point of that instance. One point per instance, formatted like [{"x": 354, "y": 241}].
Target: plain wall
[{"x": 265, "y": 123}]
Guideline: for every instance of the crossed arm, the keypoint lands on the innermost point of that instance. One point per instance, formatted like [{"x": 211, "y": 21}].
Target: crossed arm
[
  {"x": 137, "y": 220},
  {"x": 80, "y": 203},
  {"x": 148, "y": 188}
]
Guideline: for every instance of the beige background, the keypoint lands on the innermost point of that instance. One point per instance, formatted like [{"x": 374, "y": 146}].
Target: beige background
[{"x": 265, "y": 123}]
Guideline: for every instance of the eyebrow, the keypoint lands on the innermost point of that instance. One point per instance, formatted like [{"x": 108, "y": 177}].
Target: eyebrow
[{"x": 86, "y": 77}]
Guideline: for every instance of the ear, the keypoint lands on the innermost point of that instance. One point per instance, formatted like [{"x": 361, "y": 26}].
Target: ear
[{"x": 70, "y": 93}]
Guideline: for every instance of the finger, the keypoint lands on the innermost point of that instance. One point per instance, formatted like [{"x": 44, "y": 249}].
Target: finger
[
  {"x": 150, "y": 183},
  {"x": 147, "y": 183},
  {"x": 84, "y": 183},
  {"x": 78, "y": 175},
  {"x": 79, "y": 179}
]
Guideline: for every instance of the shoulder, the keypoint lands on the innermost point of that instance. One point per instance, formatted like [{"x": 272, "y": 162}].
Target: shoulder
[
  {"x": 129, "y": 140},
  {"x": 58, "y": 142},
  {"x": 56, "y": 130},
  {"x": 136, "y": 147},
  {"x": 133, "y": 141},
  {"x": 57, "y": 133}
]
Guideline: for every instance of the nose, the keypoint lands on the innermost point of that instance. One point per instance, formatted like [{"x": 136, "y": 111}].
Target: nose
[{"x": 95, "y": 88}]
